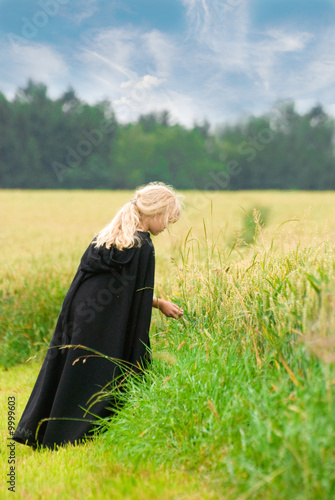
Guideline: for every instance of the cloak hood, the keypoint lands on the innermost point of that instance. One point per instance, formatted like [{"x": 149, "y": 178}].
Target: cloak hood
[{"x": 102, "y": 259}]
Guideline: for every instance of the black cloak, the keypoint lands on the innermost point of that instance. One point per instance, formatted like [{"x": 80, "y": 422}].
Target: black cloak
[{"x": 107, "y": 308}]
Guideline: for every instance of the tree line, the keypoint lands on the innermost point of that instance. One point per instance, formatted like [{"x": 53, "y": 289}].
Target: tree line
[{"x": 66, "y": 143}]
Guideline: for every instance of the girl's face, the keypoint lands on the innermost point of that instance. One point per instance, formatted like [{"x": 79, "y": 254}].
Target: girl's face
[{"x": 154, "y": 224}]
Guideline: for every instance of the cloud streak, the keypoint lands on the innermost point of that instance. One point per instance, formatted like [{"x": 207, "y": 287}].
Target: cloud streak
[{"x": 256, "y": 66}]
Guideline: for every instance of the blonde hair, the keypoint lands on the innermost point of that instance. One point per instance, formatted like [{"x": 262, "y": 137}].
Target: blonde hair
[{"x": 156, "y": 198}]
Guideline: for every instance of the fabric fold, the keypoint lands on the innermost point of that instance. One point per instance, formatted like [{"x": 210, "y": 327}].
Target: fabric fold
[{"x": 107, "y": 309}]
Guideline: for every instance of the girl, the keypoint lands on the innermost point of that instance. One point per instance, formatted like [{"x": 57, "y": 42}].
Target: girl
[{"x": 107, "y": 309}]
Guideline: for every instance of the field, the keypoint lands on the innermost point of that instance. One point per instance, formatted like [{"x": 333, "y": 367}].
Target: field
[{"x": 239, "y": 402}]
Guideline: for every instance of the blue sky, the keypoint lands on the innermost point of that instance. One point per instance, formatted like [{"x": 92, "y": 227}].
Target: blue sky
[{"x": 200, "y": 59}]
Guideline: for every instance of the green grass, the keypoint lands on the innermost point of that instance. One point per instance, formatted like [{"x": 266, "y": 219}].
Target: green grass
[
  {"x": 251, "y": 431},
  {"x": 241, "y": 396},
  {"x": 86, "y": 471},
  {"x": 239, "y": 401}
]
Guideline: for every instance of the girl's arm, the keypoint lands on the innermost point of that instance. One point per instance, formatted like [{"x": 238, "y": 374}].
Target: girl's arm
[{"x": 167, "y": 308}]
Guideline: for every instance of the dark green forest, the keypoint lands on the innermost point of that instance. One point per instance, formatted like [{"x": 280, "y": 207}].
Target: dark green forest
[{"x": 66, "y": 143}]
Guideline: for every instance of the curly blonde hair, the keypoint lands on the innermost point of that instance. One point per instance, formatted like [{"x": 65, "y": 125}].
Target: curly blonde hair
[{"x": 156, "y": 198}]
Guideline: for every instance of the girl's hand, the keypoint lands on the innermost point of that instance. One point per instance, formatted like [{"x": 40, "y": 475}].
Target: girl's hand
[{"x": 169, "y": 309}]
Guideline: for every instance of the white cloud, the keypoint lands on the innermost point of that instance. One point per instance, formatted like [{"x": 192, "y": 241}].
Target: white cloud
[
  {"x": 180, "y": 106},
  {"x": 82, "y": 10},
  {"x": 31, "y": 60},
  {"x": 41, "y": 61},
  {"x": 150, "y": 61},
  {"x": 319, "y": 74},
  {"x": 162, "y": 50},
  {"x": 284, "y": 41},
  {"x": 146, "y": 59},
  {"x": 146, "y": 82},
  {"x": 218, "y": 23},
  {"x": 110, "y": 54}
]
